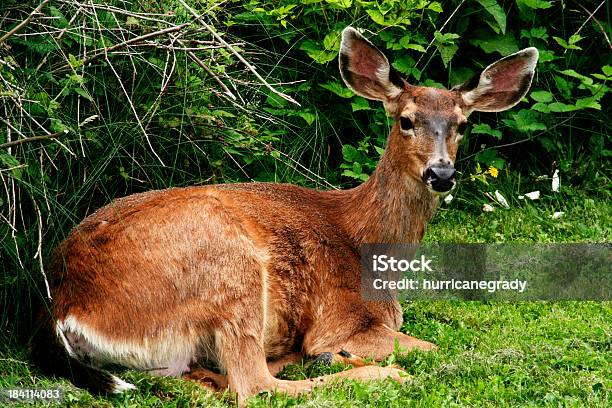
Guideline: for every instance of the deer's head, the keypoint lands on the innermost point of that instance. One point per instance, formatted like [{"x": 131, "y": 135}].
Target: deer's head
[{"x": 429, "y": 122}]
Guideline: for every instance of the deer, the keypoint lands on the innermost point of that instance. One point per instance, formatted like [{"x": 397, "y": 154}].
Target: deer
[{"x": 227, "y": 284}]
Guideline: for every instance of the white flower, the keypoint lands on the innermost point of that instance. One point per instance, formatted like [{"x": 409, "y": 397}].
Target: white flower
[
  {"x": 448, "y": 198},
  {"x": 500, "y": 198},
  {"x": 534, "y": 195},
  {"x": 555, "y": 181},
  {"x": 557, "y": 214},
  {"x": 487, "y": 208}
]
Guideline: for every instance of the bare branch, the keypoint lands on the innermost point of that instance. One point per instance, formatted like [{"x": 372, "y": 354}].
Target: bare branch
[
  {"x": 38, "y": 253},
  {"x": 237, "y": 54},
  {"x": 209, "y": 71},
  {"x": 591, "y": 15},
  {"x": 31, "y": 139},
  {"x": 104, "y": 51},
  {"x": 24, "y": 22}
]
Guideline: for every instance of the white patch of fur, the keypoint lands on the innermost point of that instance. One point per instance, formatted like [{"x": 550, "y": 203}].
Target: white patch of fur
[
  {"x": 120, "y": 386},
  {"x": 59, "y": 331},
  {"x": 167, "y": 355},
  {"x": 382, "y": 73}
]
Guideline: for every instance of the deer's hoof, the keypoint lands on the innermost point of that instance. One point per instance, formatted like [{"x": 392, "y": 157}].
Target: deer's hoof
[{"x": 326, "y": 358}]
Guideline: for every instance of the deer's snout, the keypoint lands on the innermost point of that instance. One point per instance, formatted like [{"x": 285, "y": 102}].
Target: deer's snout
[{"x": 440, "y": 178}]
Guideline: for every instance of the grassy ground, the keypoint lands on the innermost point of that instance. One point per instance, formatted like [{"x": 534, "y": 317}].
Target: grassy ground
[{"x": 491, "y": 354}]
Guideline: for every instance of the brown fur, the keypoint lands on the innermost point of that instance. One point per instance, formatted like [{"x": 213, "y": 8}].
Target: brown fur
[{"x": 247, "y": 273}]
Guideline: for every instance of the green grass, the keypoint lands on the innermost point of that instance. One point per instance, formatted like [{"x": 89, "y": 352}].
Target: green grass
[{"x": 490, "y": 354}]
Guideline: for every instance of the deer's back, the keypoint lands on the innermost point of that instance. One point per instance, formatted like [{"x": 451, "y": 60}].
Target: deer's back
[{"x": 159, "y": 255}]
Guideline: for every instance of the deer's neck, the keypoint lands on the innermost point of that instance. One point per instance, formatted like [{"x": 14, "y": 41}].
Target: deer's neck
[{"x": 389, "y": 208}]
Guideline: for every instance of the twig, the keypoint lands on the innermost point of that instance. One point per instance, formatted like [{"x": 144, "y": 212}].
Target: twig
[
  {"x": 127, "y": 96},
  {"x": 237, "y": 54},
  {"x": 594, "y": 19},
  {"x": 104, "y": 52},
  {"x": 164, "y": 46},
  {"x": 209, "y": 71},
  {"x": 59, "y": 37},
  {"x": 142, "y": 16},
  {"x": 441, "y": 28},
  {"x": 24, "y": 22},
  {"x": 38, "y": 253},
  {"x": 164, "y": 83},
  {"x": 519, "y": 141},
  {"x": 31, "y": 139}
]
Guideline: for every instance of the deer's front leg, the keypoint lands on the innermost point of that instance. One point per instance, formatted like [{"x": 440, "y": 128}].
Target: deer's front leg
[
  {"x": 379, "y": 342},
  {"x": 376, "y": 341}
]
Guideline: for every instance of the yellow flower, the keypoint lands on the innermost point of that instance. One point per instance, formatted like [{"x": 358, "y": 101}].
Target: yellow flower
[{"x": 493, "y": 171}]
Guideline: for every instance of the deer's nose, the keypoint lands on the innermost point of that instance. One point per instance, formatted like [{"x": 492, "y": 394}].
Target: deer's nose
[{"x": 441, "y": 178}]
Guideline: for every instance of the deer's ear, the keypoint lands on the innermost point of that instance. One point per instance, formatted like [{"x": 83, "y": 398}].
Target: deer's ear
[
  {"x": 502, "y": 84},
  {"x": 366, "y": 70}
]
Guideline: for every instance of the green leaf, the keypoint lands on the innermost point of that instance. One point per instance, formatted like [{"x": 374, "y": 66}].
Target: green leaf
[
  {"x": 490, "y": 158},
  {"x": 563, "y": 86},
  {"x": 316, "y": 53},
  {"x": 541, "y": 96},
  {"x": 331, "y": 42},
  {"x": 307, "y": 116},
  {"x": 350, "y": 173},
  {"x": 607, "y": 70},
  {"x": 376, "y": 16},
  {"x": 541, "y": 107},
  {"x": 11, "y": 162},
  {"x": 571, "y": 45},
  {"x": 404, "y": 64},
  {"x": 575, "y": 38},
  {"x": 584, "y": 79},
  {"x": 222, "y": 113},
  {"x": 341, "y": 4},
  {"x": 275, "y": 101},
  {"x": 547, "y": 56},
  {"x": 528, "y": 121},
  {"x": 588, "y": 103},
  {"x": 447, "y": 52},
  {"x": 349, "y": 153},
  {"x": 416, "y": 47},
  {"x": 338, "y": 89},
  {"x": 446, "y": 38},
  {"x": 360, "y": 103},
  {"x": 132, "y": 21},
  {"x": 74, "y": 63},
  {"x": 505, "y": 44},
  {"x": 446, "y": 46},
  {"x": 435, "y": 6},
  {"x": 561, "y": 107},
  {"x": 538, "y": 32},
  {"x": 404, "y": 42},
  {"x": 496, "y": 11},
  {"x": 83, "y": 93},
  {"x": 484, "y": 128},
  {"x": 536, "y": 4}
]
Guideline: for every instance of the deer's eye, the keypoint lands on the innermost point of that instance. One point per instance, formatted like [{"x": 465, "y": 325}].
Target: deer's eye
[
  {"x": 461, "y": 128},
  {"x": 406, "y": 123}
]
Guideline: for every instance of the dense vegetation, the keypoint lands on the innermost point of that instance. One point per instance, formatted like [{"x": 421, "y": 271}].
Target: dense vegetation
[{"x": 102, "y": 99}]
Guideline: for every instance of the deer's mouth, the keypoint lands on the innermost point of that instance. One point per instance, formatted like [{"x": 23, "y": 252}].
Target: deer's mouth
[{"x": 439, "y": 179}]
